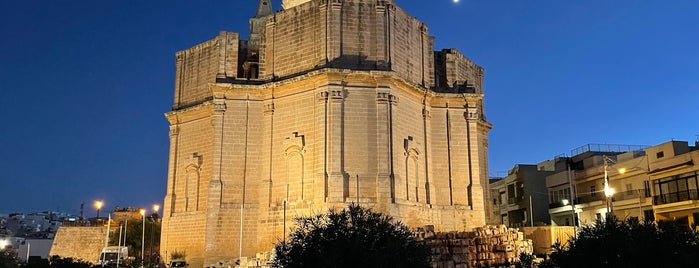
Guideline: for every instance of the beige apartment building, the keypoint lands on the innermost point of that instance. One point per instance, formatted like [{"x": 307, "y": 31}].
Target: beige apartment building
[
  {"x": 325, "y": 104},
  {"x": 654, "y": 183},
  {"x": 628, "y": 184}
]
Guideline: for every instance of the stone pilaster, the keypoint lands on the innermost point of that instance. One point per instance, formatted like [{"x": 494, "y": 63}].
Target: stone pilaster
[
  {"x": 336, "y": 179},
  {"x": 383, "y": 149}
]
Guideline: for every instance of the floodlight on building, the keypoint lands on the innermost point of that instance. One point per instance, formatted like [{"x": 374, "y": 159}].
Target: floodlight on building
[
  {"x": 565, "y": 202},
  {"x": 3, "y": 243}
]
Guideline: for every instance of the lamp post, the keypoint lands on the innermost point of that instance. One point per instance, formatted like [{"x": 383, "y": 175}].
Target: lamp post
[
  {"x": 156, "y": 207},
  {"x": 143, "y": 233},
  {"x": 98, "y": 205},
  {"x": 608, "y": 190}
]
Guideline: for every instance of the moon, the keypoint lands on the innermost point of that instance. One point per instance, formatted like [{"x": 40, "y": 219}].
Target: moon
[{"x": 456, "y": 1}]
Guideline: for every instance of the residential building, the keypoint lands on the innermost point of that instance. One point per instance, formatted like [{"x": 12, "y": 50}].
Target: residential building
[
  {"x": 521, "y": 199},
  {"x": 673, "y": 174},
  {"x": 581, "y": 186}
]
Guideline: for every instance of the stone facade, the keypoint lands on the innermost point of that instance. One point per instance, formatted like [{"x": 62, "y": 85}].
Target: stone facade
[
  {"x": 340, "y": 102},
  {"x": 84, "y": 243}
]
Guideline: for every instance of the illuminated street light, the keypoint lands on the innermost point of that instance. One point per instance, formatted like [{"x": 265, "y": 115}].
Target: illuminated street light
[
  {"x": 608, "y": 190},
  {"x": 565, "y": 202},
  {"x": 98, "y": 206},
  {"x": 143, "y": 233},
  {"x": 3, "y": 244},
  {"x": 156, "y": 207}
]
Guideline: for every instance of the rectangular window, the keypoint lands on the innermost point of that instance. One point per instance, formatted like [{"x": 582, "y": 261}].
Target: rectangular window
[
  {"x": 659, "y": 155},
  {"x": 593, "y": 190},
  {"x": 629, "y": 189}
]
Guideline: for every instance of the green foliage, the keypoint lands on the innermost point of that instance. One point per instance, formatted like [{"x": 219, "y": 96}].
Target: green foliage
[
  {"x": 8, "y": 258},
  {"x": 133, "y": 236},
  {"x": 525, "y": 261},
  {"x": 352, "y": 237},
  {"x": 630, "y": 243},
  {"x": 177, "y": 255},
  {"x": 58, "y": 262}
]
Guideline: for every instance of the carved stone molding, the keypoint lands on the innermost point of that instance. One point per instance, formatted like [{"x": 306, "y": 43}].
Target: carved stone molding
[
  {"x": 393, "y": 99},
  {"x": 337, "y": 94},
  {"x": 386, "y": 97},
  {"x": 174, "y": 131},
  {"x": 219, "y": 106},
  {"x": 411, "y": 147},
  {"x": 268, "y": 109},
  {"x": 322, "y": 96},
  {"x": 194, "y": 162},
  {"x": 382, "y": 96},
  {"x": 472, "y": 113},
  {"x": 294, "y": 144}
]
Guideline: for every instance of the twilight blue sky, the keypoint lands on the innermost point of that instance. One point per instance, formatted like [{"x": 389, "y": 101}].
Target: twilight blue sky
[{"x": 84, "y": 84}]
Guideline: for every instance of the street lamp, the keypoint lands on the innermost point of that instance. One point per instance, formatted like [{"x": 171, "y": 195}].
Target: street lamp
[
  {"x": 143, "y": 233},
  {"x": 156, "y": 207},
  {"x": 98, "y": 205},
  {"x": 608, "y": 190}
]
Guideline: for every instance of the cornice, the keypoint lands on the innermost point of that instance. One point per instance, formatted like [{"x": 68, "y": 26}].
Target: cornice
[{"x": 188, "y": 114}]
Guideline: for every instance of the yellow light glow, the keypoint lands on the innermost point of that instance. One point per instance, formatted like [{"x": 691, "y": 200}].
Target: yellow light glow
[
  {"x": 622, "y": 170},
  {"x": 3, "y": 244},
  {"x": 142, "y": 212},
  {"x": 609, "y": 192},
  {"x": 98, "y": 204},
  {"x": 156, "y": 207}
]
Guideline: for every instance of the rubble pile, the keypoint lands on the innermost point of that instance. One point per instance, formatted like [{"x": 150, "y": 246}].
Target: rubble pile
[{"x": 486, "y": 246}]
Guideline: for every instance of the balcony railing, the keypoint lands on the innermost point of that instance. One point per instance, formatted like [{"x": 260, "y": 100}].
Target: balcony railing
[
  {"x": 557, "y": 204},
  {"x": 634, "y": 194},
  {"x": 676, "y": 197},
  {"x": 514, "y": 200},
  {"x": 587, "y": 198}
]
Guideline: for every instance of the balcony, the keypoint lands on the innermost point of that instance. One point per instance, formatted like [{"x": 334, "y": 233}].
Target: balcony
[
  {"x": 588, "y": 198},
  {"x": 515, "y": 200},
  {"x": 557, "y": 204},
  {"x": 676, "y": 197}
]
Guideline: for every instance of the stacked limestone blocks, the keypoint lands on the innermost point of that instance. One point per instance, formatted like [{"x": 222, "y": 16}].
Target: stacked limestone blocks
[
  {"x": 487, "y": 246},
  {"x": 496, "y": 245}
]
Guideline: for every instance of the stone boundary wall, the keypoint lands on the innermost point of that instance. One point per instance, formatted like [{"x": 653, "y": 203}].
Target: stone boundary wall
[{"x": 83, "y": 243}]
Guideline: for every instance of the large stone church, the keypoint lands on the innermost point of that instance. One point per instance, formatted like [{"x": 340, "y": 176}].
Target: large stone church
[{"x": 327, "y": 102}]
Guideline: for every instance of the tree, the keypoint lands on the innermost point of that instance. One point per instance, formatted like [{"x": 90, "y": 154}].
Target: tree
[
  {"x": 629, "y": 243},
  {"x": 133, "y": 232},
  {"x": 352, "y": 237},
  {"x": 8, "y": 258}
]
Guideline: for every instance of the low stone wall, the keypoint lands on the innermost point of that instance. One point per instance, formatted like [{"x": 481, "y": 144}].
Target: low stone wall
[
  {"x": 83, "y": 243},
  {"x": 484, "y": 246}
]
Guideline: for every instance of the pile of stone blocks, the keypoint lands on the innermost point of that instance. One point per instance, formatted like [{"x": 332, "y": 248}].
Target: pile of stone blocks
[{"x": 488, "y": 246}]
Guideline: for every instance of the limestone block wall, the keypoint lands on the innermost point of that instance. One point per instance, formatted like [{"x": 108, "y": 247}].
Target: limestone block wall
[
  {"x": 83, "y": 243},
  {"x": 200, "y": 65},
  {"x": 355, "y": 34},
  {"x": 454, "y": 68}
]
